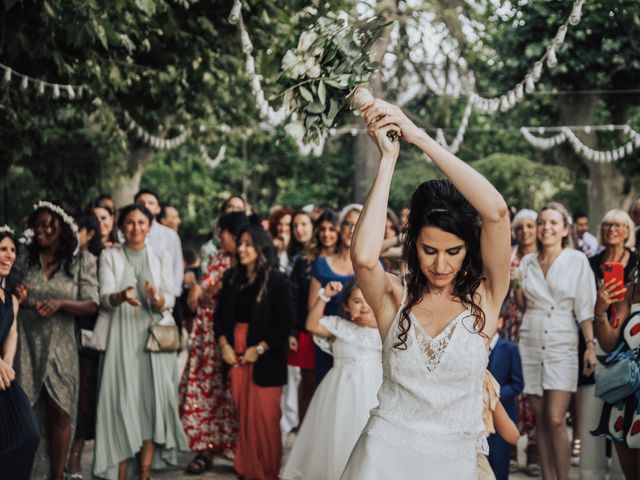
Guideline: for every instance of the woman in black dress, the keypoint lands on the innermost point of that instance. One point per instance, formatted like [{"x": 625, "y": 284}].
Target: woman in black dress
[{"x": 19, "y": 435}]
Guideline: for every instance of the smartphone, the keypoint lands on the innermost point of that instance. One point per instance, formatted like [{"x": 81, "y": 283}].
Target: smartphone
[{"x": 614, "y": 271}]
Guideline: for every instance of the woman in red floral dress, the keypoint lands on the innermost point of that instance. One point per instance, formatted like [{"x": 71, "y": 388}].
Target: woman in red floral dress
[
  {"x": 206, "y": 407},
  {"x": 524, "y": 226}
]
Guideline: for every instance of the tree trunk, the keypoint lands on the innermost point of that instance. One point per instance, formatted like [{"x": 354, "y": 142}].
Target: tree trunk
[
  {"x": 127, "y": 184},
  {"x": 608, "y": 187},
  {"x": 365, "y": 153}
]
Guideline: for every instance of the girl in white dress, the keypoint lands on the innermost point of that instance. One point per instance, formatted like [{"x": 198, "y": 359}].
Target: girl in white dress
[
  {"x": 341, "y": 404},
  {"x": 558, "y": 295},
  {"x": 435, "y": 327}
]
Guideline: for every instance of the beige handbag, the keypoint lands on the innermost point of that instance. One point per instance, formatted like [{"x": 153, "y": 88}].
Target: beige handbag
[{"x": 163, "y": 338}]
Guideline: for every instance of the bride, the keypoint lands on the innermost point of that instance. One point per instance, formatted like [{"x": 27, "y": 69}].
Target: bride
[{"x": 435, "y": 325}]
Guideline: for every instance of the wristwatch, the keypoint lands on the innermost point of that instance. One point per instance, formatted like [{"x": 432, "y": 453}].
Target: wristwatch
[{"x": 260, "y": 349}]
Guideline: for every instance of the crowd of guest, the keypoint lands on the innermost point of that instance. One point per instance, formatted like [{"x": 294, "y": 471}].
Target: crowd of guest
[{"x": 96, "y": 304}]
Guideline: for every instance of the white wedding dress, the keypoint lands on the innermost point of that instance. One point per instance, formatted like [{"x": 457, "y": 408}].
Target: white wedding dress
[
  {"x": 341, "y": 404},
  {"x": 428, "y": 424}
]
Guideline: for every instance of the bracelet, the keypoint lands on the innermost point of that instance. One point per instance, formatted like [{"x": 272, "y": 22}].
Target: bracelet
[
  {"x": 602, "y": 318},
  {"x": 322, "y": 296},
  {"x": 591, "y": 340}
]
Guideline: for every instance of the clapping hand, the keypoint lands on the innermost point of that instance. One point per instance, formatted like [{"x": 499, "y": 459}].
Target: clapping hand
[
  {"x": 153, "y": 295},
  {"x": 129, "y": 296}
]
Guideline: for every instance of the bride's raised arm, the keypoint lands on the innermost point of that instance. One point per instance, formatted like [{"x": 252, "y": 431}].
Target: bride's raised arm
[
  {"x": 382, "y": 291},
  {"x": 495, "y": 239}
]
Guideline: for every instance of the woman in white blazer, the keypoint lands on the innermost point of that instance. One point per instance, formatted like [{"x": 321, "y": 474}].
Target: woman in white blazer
[{"x": 138, "y": 401}]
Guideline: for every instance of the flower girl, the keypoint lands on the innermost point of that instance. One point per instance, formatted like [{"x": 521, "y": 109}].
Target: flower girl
[{"x": 340, "y": 406}]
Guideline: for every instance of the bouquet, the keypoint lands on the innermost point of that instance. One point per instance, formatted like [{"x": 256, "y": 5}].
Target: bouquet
[{"x": 327, "y": 73}]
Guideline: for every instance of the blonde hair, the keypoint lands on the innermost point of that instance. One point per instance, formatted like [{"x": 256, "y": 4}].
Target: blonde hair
[
  {"x": 569, "y": 241},
  {"x": 617, "y": 215}
]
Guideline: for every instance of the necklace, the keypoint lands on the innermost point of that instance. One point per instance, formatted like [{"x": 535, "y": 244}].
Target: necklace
[
  {"x": 624, "y": 252},
  {"x": 546, "y": 262},
  {"x": 437, "y": 293}
]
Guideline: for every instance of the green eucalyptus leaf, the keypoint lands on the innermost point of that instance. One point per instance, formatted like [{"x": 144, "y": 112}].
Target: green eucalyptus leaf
[
  {"x": 306, "y": 94},
  {"x": 322, "y": 93},
  {"x": 315, "y": 107}
]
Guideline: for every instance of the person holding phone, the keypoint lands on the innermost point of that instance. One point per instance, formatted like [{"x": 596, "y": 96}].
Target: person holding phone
[
  {"x": 617, "y": 236},
  {"x": 558, "y": 289},
  {"x": 618, "y": 259},
  {"x": 617, "y": 332}
]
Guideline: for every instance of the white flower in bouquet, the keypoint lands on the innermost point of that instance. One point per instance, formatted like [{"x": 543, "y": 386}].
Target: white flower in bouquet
[
  {"x": 294, "y": 64},
  {"x": 306, "y": 40},
  {"x": 295, "y": 130},
  {"x": 312, "y": 68},
  {"x": 327, "y": 73}
]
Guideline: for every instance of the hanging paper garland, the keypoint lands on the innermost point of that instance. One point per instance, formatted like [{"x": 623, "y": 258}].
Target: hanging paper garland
[
  {"x": 72, "y": 91},
  {"x": 268, "y": 114},
  {"x": 457, "y": 140},
  {"x": 509, "y": 100},
  {"x": 152, "y": 140},
  {"x": 213, "y": 163},
  {"x": 514, "y": 96},
  {"x": 566, "y": 134}
]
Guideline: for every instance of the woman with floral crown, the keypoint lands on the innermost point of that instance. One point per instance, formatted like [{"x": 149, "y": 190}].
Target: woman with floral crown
[{"x": 61, "y": 284}]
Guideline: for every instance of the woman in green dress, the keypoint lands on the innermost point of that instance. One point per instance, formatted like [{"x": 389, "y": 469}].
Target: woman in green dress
[
  {"x": 60, "y": 284},
  {"x": 138, "y": 398}
]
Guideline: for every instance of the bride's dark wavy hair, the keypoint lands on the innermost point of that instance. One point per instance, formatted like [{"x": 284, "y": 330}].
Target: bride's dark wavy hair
[{"x": 437, "y": 203}]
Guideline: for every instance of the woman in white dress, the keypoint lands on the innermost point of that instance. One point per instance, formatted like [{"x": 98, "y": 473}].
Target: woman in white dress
[
  {"x": 435, "y": 327},
  {"x": 341, "y": 404},
  {"x": 558, "y": 293}
]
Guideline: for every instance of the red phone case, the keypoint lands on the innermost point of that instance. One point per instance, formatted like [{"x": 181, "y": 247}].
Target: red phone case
[{"x": 614, "y": 271}]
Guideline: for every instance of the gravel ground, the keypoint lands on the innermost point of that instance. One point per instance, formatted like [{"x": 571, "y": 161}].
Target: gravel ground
[{"x": 223, "y": 469}]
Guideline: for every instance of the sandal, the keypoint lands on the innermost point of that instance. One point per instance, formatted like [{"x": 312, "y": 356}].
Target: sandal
[
  {"x": 533, "y": 470},
  {"x": 145, "y": 472},
  {"x": 200, "y": 464}
]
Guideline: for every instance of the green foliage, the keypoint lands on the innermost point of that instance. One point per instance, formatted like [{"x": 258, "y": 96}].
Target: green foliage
[
  {"x": 265, "y": 171},
  {"x": 528, "y": 184}
]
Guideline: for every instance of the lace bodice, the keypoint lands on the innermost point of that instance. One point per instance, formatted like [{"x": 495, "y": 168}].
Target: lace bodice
[{"x": 431, "y": 394}]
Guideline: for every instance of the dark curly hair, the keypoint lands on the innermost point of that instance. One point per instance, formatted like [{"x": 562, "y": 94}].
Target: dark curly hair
[
  {"x": 68, "y": 240},
  {"x": 437, "y": 203}
]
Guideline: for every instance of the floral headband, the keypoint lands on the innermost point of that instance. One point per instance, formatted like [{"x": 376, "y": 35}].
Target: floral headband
[
  {"x": 66, "y": 218},
  {"x": 7, "y": 229}
]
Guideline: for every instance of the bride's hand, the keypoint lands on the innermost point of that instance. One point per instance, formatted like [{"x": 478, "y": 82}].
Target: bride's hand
[
  {"x": 388, "y": 149},
  {"x": 380, "y": 114}
]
